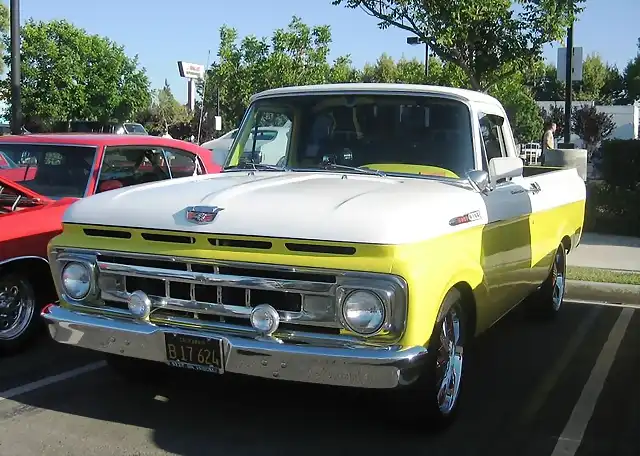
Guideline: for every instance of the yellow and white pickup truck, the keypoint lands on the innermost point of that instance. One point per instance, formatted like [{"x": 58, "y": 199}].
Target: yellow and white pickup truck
[{"x": 391, "y": 226}]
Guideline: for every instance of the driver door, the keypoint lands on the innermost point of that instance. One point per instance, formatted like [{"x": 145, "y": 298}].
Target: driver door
[{"x": 506, "y": 243}]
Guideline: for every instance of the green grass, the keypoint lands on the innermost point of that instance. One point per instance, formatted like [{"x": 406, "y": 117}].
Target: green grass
[{"x": 602, "y": 275}]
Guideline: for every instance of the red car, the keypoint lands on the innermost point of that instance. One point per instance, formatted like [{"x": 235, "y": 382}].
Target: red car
[{"x": 40, "y": 176}]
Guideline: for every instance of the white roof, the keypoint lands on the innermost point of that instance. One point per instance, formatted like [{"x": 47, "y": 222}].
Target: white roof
[{"x": 380, "y": 88}]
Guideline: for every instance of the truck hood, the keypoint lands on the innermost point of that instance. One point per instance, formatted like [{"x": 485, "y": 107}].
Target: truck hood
[{"x": 327, "y": 206}]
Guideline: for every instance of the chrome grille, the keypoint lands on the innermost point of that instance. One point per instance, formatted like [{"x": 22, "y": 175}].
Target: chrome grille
[{"x": 221, "y": 291}]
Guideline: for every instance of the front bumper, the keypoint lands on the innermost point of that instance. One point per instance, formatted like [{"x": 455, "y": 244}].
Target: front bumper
[{"x": 354, "y": 367}]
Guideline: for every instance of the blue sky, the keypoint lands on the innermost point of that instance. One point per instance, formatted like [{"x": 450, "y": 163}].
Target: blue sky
[{"x": 165, "y": 31}]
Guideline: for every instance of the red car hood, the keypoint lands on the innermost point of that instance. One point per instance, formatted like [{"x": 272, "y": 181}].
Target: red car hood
[{"x": 5, "y": 182}]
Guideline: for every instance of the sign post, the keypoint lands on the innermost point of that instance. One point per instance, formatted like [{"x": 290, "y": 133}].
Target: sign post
[{"x": 192, "y": 72}]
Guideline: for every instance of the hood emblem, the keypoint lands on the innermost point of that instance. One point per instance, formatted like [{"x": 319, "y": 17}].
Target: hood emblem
[{"x": 202, "y": 214}]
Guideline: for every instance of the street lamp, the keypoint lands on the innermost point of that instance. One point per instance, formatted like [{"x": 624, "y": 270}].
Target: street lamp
[
  {"x": 16, "y": 105},
  {"x": 413, "y": 41}
]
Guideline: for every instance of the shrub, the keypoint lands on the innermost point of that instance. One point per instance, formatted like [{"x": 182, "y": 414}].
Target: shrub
[{"x": 613, "y": 205}]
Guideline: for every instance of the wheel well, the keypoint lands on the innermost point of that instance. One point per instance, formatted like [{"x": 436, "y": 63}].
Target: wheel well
[
  {"x": 468, "y": 304},
  {"x": 38, "y": 272},
  {"x": 566, "y": 242}
]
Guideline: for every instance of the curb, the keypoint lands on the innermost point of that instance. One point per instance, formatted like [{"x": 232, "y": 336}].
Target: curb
[{"x": 614, "y": 293}]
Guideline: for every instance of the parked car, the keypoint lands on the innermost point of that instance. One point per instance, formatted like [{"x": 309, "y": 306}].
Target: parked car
[
  {"x": 47, "y": 174},
  {"x": 397, "y": 228},
  {"x": 220, "y": 146}
]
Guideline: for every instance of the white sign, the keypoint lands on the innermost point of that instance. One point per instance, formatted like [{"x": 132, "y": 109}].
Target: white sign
[
  {"x": 191, "y": 70},
  {"x": 576, "y": 64},
  {"x": 217, "y": 122}
]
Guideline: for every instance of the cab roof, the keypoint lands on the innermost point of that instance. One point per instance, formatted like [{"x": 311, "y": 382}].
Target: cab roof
[{"x": 379, "y": 89}]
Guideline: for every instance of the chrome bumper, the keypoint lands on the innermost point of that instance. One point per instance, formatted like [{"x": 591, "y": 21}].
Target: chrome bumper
[{"x": 354, "y": 367}]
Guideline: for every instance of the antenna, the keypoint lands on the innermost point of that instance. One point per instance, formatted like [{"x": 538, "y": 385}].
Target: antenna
[{"x": 204, "y": 92}]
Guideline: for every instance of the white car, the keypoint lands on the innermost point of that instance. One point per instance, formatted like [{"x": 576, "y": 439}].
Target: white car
[{"x": 220, "y": 146}]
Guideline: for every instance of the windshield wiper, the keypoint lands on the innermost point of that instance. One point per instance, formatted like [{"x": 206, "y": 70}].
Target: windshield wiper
[
  {"x": 254, "y": 166},
  {"x": 360, "y": 169}
]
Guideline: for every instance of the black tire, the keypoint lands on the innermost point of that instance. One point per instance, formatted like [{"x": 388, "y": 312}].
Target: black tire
[
  {"x": 425, "y": 396},
  {"x": 134, "y": 370},
  {"x": 20, "y": 321},
  {"x": 545, "y": 303}
]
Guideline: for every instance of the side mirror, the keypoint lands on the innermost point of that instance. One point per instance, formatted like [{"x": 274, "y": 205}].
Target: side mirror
[
  {"x": 479, "y": 180},
  {"x": 504, "y": 168}
]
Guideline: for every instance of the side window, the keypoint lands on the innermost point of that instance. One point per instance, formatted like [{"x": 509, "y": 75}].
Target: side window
[
  {"x": 125, "y": 166},
  {"x": 268, "y": 140},
  {"x": 181, "y": 163},
  {"x": 492, "y": 137}
]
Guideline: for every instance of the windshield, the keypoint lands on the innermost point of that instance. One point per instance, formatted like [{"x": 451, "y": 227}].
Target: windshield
[
  {"x": 6, "y": 162},
  {"x": 135, "y": 128},
  {"x": 391, "y": 133},
  {"x": 55, "y": 171}
]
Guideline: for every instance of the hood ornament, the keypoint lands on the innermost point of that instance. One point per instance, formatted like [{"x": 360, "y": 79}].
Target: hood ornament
[{"x": 202, "y": 214}]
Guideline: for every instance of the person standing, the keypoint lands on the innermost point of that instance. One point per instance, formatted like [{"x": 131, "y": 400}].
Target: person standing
[{"x": 548, "y": 141}]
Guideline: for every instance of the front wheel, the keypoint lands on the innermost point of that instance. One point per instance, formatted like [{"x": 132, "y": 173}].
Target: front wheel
[
  {"x": 435, "y": 395},
  {"x": 18, "y": 313}
]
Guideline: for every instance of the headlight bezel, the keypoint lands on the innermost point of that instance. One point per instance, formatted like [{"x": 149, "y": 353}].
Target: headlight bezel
[
  {"x": 59, "y": 264},
  {"x": 392, "y": 292}
]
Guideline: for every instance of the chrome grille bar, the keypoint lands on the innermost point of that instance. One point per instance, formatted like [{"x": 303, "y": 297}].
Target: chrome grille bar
[{"x": 219, "y": 280}]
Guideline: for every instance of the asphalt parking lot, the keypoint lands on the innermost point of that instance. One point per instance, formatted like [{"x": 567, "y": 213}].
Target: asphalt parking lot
[{"x": 570, "y": 387}]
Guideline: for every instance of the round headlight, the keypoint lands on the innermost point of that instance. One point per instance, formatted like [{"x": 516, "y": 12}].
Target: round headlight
[
  {"x": 76, "y": 280},
  {"x": 363, "y": 311},
  {"x": 265, "y": 319}
]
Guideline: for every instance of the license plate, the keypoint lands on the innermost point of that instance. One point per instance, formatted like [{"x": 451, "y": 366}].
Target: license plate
[{"x": 193, "y": 352}]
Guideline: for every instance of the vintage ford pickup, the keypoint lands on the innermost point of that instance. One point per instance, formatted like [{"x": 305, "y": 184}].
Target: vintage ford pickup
[{"x": 391, "y": 227}]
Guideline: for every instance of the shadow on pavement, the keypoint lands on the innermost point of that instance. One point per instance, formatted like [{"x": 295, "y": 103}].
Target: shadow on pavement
[{"x": 195, "y": 415}]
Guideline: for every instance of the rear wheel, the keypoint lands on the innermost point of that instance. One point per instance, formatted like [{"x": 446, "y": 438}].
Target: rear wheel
[
  {"x": 435, "y": 396},
  {"x": 19, "y": 309},
  {"x": 547, "y": 301}
]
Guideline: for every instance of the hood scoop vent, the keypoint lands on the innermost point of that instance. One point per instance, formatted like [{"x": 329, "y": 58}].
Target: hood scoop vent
[{"x": 317, "y": 248}]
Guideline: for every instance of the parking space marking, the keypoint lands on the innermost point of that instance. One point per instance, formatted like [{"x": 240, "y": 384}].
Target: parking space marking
[
  {"x": 29, "y": 387},
  {"x": 540, "y": 395},
  {"x": 605, "y": 304},
  {"x": 573, "y": 433}
]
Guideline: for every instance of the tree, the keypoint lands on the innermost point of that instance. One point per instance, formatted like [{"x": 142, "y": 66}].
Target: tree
[
  {"x": 591, "y": 126},
  {"x": 522, "y": 110},
  {"x": 68, "y": 74},
  {"x": 4, "y": 31},
  {"x": 485, "y": 38},
  {"x": 631, "y": 78},
  {"x": 164, "y": 113}
]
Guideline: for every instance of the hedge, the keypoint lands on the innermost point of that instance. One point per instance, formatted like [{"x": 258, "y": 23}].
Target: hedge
[{"x": 613, "y": 203}]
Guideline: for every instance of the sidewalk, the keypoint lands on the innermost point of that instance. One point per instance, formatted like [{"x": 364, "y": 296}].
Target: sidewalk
[{"x": 607, "y": 252}]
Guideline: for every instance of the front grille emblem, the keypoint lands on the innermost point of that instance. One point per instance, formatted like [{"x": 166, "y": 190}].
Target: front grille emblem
[{"x": 202, "y": 214}]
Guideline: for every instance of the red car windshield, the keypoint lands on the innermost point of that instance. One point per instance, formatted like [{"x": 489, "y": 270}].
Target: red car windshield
[{"x": 55, "y": 171}]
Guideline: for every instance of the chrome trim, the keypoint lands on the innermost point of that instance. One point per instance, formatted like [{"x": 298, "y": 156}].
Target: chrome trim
[
  {"x": 314, "y": 312},
  {"x": 27, "y": 257},
  {"x": 221, "y": 280},
  {"x": 358, "y": 366}
]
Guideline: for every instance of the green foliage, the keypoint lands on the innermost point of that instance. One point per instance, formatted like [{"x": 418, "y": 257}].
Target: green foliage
[
  {"x": 591, "y": 126},
  {"x": 4, "y": 30},
  {"x": 521, "y": 108},
  {"x": 68, "y": 74},
  {"x": 631, "y": 78},
  {"x": 164, "y": 112},
  {"x": 487, "y": 39},
  {"x": 612, "y": 204}
]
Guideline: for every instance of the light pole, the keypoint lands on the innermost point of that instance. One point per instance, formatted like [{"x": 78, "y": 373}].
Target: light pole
[
  {"x": 414, "y": 40},
  {"x": 16, "y": 102},
  {"x": 568, "y": 80}
]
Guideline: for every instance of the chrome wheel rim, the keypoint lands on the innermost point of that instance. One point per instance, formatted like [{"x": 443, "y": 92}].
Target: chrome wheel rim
[
  {"x": 17, "y": 306},
  {"x": 558, "y": 279},
  {"x": 449, "y": 363}
]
